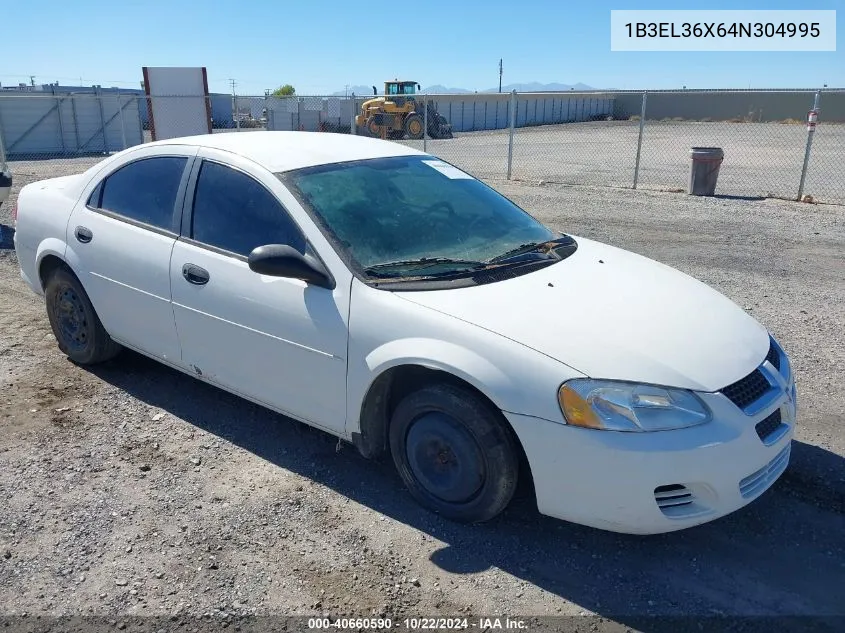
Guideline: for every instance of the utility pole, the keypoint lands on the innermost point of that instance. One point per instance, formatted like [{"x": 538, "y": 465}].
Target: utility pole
[
  {"x": 500, "y": 75},
  {"x": 236, "y": 110},
  {"x": 32, "y": 80}
]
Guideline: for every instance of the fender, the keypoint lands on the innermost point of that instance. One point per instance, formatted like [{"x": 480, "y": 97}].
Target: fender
[
  {"x": 444, "y": 356},
  {"x": 49, "y": 246},
  {"x": 72, "y": 260},
  {"x": 509, "y": 391}
]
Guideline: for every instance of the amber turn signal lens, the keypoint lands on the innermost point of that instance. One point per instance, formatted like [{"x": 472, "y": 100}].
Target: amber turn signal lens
[{"x": 576, "y": 410}]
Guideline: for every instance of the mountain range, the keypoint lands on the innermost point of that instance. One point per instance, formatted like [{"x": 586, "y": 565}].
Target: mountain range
[{"x": 533, "y": 86}]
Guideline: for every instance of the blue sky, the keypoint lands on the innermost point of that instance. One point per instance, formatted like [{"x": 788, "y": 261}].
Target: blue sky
[{"x": 320, "y": 46}]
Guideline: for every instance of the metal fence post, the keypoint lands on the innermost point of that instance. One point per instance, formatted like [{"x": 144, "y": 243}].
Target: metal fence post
[
  {"x": 237, "y": 111},
  {"x": 99, "y": 97},
  {"x": 510, "y": 133},
  {"x": 141, "y": 101},
  {"x": 59, "y": 101},
  {"x": 425, "y": 123},
  {"x": 352, "y": 125},
  {"x": 75, "y": 121},
  {"x": 2, "y": 146},
  {"x": 640, "y": 141},
  {"x": 811, "y": 130},
  {"x": 122, "y": 121}
]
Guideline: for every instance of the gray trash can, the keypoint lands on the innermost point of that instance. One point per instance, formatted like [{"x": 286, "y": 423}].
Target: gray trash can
[{"x": 704, "y": 171}]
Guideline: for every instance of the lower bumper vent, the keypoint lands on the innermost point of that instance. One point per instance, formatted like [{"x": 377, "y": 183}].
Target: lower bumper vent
[{"x": 756, "y": 483}]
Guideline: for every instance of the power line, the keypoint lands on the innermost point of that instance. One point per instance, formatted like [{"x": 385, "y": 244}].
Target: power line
[{"x": 73, "y": 79}]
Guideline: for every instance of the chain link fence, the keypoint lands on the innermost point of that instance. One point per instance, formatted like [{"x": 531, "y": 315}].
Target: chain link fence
[{"x": 615, "y": 139}]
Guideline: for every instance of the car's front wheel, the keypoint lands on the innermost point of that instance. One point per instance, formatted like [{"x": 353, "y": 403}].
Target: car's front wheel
[
  {"x": 75, "y": 324},
  {"x": 455, "y": 454}
]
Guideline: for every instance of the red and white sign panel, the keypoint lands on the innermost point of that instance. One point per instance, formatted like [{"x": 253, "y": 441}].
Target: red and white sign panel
[{"x": 178, "y": 102}]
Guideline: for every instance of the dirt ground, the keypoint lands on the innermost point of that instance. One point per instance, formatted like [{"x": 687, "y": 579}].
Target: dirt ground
[{"x": 131, "y": 489}]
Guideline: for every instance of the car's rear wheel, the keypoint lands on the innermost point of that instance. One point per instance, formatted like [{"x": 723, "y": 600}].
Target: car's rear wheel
[
  {"x": 75, "y": 324},
  {"x": 454, "y": 453}
]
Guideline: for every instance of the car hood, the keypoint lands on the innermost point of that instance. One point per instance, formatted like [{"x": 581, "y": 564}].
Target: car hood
[{"x": 610, "y": 313}]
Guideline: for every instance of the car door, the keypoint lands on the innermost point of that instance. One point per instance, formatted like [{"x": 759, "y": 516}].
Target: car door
[
  {"x": 278, "y": 341},
  {"x": 120, "y": 236}
]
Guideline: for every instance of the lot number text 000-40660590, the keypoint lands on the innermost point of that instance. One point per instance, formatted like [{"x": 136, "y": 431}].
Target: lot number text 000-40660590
[{"x": 723, "y": 30}]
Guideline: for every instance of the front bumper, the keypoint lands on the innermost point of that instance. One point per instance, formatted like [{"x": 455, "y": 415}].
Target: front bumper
[{"x": 650, "y": 483}]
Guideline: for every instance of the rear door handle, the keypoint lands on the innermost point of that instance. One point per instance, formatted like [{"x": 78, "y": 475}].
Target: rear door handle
[
  {"x": 83, "y": 235},
  {"x": 195, "y": 275}
]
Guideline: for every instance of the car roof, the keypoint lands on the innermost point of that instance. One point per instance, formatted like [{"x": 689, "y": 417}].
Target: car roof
[{"x": 284, "y": 151}]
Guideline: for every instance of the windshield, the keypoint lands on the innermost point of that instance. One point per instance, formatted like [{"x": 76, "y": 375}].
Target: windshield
[{"x": 403, "y": 209}]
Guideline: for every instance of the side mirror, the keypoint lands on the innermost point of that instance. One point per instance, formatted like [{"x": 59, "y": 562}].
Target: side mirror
[{"x": 281, "y": 260}]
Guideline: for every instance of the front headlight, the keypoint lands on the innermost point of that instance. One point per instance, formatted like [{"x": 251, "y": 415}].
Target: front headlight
[{"x": 629, "y": 406}]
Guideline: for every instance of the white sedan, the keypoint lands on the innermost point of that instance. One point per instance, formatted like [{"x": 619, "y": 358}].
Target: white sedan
[{"x": 391, "y": 299}]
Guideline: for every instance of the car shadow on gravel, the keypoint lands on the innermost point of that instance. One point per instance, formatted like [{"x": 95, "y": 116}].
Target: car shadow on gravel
[
  {"x": 781, "y": 556},
  {"x": 7, "y": 237}
]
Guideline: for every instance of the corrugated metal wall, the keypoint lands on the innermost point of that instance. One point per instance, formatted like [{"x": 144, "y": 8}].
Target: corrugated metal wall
[
  {"x": 737, "y": 105},
  {"x": 466, "y": 113},
  {"x": 69, "y": 124},
  {"x": 476, "y": 112},
  {"x": 307, "y": 113}
]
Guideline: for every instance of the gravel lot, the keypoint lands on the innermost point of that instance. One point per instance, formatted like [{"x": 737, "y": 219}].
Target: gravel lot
[{"x": 133, "y": 489}]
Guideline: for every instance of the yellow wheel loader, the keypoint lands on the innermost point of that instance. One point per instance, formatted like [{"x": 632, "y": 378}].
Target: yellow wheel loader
[{"x": 400, "y": 113}]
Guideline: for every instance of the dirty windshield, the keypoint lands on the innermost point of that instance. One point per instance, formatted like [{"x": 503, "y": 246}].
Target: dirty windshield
[{"x": 397, "y": 212}]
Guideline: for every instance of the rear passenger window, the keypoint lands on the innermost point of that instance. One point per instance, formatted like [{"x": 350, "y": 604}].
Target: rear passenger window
[
  {"x": 144, "y": 191},
  {"x": 94, "y": 198},
  {"x": 235, "y": 212}
]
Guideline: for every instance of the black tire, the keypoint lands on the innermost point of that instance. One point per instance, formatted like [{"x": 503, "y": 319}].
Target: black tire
[
  {"x": 414, "y": 126},
  {"x": 373, "y": 128},
  {"x": 76, "y": 326},
  {"x": 455, "y": 454}
]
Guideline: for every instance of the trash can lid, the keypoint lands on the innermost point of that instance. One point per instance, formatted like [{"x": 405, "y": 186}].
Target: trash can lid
[{"x": 711, "y": 153}]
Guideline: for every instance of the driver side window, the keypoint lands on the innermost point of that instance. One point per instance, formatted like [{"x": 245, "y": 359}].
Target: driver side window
[{"x": 236, "y": 213}]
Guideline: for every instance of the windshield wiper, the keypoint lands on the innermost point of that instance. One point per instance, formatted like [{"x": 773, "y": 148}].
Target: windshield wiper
[
  {"x": 533, "y": 248},
  {"x": 421, "y": 264}
]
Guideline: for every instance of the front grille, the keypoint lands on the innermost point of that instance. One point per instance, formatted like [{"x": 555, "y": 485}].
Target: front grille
[
  {"x": 773, "y": 356},
  {"x": 769, "y": 425},
  {"x": 747, "y": 390},
  {"x": 759, "y": 481}
]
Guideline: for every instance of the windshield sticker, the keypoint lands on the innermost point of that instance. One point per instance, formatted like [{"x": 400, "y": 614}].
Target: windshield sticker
[{"x": 447, "y": 170}]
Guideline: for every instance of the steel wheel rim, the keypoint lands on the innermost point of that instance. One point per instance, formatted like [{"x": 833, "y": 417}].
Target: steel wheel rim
[
  {"x": 71, "y": 319},
  {"x": 445, "y": 458}
]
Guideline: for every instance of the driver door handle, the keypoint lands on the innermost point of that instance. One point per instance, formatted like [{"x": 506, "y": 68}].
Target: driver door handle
[{"x": 195, "y": 275}]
